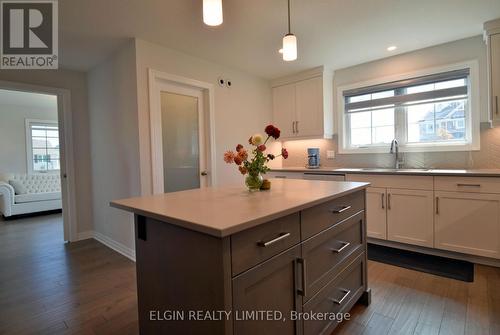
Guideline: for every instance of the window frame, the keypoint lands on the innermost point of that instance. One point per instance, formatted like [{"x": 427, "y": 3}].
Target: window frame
[
  {"x": 29, "y": 145},
  {"x": 472, "y": 119}
]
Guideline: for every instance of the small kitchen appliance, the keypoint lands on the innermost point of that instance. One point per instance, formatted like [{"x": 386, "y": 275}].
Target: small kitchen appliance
[{"x": 312, "y": 158}]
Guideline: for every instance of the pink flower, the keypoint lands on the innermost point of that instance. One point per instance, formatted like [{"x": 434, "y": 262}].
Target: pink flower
[
  {"x": 229, "y": 157},
  {"x": 243, "y": 154},
  {"x": 239, "y": 147},
  {"x": 284, "y": 153},
  {"x": 261, "y": 147}
]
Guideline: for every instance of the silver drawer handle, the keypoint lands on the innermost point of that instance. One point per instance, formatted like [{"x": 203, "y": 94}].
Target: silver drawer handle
[
  {"x": 277, "y": 239},
  {"x": 468, "y": 185},
  {"x": 346, "y": 294},
  {"x": 280, "y": 177},
  {"x": 342, "y": 209},
  {"x": 345, "y": 245}
]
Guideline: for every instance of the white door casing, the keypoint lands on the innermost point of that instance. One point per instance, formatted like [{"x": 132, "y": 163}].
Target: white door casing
[{"x": 164, "y": 82}]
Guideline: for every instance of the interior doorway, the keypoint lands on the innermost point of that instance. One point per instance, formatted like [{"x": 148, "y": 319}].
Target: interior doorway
[
  {"x": 181, "y": 133},
  {"x": 36, "y": 179}
]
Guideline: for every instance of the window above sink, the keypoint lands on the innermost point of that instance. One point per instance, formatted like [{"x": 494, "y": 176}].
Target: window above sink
[{"x": 432, "y": 110}]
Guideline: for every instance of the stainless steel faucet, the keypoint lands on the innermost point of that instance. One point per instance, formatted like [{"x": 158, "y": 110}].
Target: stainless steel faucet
[{"x": 395, "y": 151}]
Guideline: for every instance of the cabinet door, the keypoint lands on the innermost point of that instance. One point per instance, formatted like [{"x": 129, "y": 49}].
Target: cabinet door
[
  {"x": 495, "y": 75},
  {"x": 309, "y": 100},
  {"x": 376, "y": 215},
  {"x": 410, "y": 217},
  {"x": 284, "y": 109},
  {"x": 468, "y": 223},
  {"x": 270, "y": 286}
]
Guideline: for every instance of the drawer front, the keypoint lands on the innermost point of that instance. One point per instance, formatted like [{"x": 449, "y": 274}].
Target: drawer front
[
  {"x": 394, "y": 181},
  {"x": 467, "y": 184},
  {"x": 320, "y": 217},
  {"x": 286, "y": 175},
  {"x": 252, "y": 246},
  {"x": 337, "y": 297},
  {"x": 325, "y": 253}
]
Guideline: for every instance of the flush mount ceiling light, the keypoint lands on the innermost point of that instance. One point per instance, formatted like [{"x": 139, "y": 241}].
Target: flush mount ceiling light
[
  {"x": 289, "y": 42},
  {"x": 392, "y": 48},
  {"x": 212, "y": 12}
]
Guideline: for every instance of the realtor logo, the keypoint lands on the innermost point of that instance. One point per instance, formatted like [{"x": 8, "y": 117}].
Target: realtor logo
[{"x": 29, "y": 38}]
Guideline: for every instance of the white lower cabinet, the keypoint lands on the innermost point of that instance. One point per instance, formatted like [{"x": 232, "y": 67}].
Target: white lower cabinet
[
  {"x": 376, "y": 215},
  {"x": 468, "y": 223},
  {"x": 410, "y": 217}
]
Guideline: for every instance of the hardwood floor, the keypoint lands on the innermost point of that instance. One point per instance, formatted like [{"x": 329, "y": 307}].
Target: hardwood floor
[{"x": 48, "y": 287}]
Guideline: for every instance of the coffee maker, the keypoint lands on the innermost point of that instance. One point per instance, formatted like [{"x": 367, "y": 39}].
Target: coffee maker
[{"x": 312, "y": 158}]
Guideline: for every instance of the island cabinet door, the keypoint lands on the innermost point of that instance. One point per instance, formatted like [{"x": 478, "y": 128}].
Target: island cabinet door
[{"x": 266, "y": 296}]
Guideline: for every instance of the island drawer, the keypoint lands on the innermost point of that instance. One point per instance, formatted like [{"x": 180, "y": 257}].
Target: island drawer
[
  {"x": 255, "y": 245},
  {"x": 325, "y": 254},
  {"x": 320, "y": 217},
  {"x": 337, "y": 297}
]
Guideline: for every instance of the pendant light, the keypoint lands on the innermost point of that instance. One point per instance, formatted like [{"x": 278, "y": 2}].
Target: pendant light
[
  {"x": 289, "y": 42},
  {"x": 212, "y": 12}
]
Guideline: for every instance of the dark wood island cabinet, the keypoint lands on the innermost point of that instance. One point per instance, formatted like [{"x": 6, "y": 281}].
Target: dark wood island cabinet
[{"x": 226, "y": 261}]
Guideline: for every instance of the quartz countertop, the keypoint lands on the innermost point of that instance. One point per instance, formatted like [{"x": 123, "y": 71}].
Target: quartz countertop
[
  {"x": 222, "y": 211},
  {"x": 388, "y": 171}
]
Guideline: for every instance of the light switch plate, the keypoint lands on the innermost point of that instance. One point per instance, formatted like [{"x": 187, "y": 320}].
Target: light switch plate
[{"x": 330, "y": 154}]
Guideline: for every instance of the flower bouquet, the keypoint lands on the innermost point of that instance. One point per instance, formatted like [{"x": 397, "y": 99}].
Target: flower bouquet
[{"x": 255, "y": 166}]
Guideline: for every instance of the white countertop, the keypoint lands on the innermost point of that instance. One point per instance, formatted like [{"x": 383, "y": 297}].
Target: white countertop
[
  {"x": 423, "y": 172},
  {"x": 222, "y": 211}
]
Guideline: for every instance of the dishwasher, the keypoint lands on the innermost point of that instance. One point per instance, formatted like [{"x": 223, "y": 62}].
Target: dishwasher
[{"x": 318, "y": 175}]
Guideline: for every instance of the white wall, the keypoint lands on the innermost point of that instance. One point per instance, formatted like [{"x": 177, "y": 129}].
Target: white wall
[
  {"x": 13, "y": 133},
  {"x": 114, "y": 143},
  {"x": 76, "y": 83},
  {"x": 454, "y": 52},
  {"x": 119, "y": 123},
  {"x": 240, "y": 111}
]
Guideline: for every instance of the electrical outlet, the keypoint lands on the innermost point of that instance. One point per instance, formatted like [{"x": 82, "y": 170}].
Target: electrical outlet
[{"x": 330, "y": 154}]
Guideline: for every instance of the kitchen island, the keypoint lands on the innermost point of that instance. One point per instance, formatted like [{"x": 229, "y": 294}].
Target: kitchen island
[{"x": 222, "y": 260}]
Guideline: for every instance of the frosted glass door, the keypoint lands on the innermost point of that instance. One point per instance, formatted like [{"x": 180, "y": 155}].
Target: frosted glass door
[{"x": 181, "y": 141}]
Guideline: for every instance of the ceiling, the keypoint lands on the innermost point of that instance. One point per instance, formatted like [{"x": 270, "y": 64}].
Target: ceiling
[
  {"x": 28, "y": 99},
  {"x": 336, "y": 33}
]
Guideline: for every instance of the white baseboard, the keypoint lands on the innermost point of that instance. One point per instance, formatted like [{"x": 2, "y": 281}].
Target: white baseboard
[
  {"x": 84, "y": 235},
  {"x": 116, "y": 246}
]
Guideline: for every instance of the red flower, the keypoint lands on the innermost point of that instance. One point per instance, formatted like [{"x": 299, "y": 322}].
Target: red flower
[
  {"x": 261, "y": 147},
  {"x": 273, "y": 131},
  {"x": 238, "y": 160},
  {"x": 242, "y": 169},
  {"x": 284, "y": 153},
  {"x": 239, "y": 147}
]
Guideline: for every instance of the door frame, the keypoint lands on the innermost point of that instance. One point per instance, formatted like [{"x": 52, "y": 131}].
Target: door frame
[
  {"x": 156, "y": 79},
  {"x": 67, "y": 165}
]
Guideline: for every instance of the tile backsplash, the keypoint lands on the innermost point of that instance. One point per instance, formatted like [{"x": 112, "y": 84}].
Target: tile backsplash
[{"x": 486, "y": 158}]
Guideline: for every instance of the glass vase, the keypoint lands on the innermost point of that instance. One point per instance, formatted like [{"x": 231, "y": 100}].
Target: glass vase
[{"x": 254, "y": 182}]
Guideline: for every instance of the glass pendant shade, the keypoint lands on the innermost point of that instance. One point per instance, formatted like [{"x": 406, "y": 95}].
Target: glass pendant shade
[
  {"x": 212, "y": 12},
  {"x": 289, "y": 47}
]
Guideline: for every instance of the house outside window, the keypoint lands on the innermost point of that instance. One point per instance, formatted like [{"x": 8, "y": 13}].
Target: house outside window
[
  {"x": 42, "y": 141},
  {"x": 431, "y": 112}
]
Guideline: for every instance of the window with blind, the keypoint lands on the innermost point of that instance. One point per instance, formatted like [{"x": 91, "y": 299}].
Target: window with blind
[
  {"x": 422, "y": 112},
  {"x": 42, "y": 146}
]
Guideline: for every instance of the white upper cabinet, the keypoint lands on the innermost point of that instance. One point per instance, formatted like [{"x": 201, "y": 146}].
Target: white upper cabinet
[
  {"x": 284, "y": 109},
  {"x": 492, "y": 36},
  {"x": 302, "y": 105}
]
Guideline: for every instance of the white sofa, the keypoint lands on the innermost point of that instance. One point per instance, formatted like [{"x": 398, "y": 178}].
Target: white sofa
[{"x": 43, "y": 193}]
